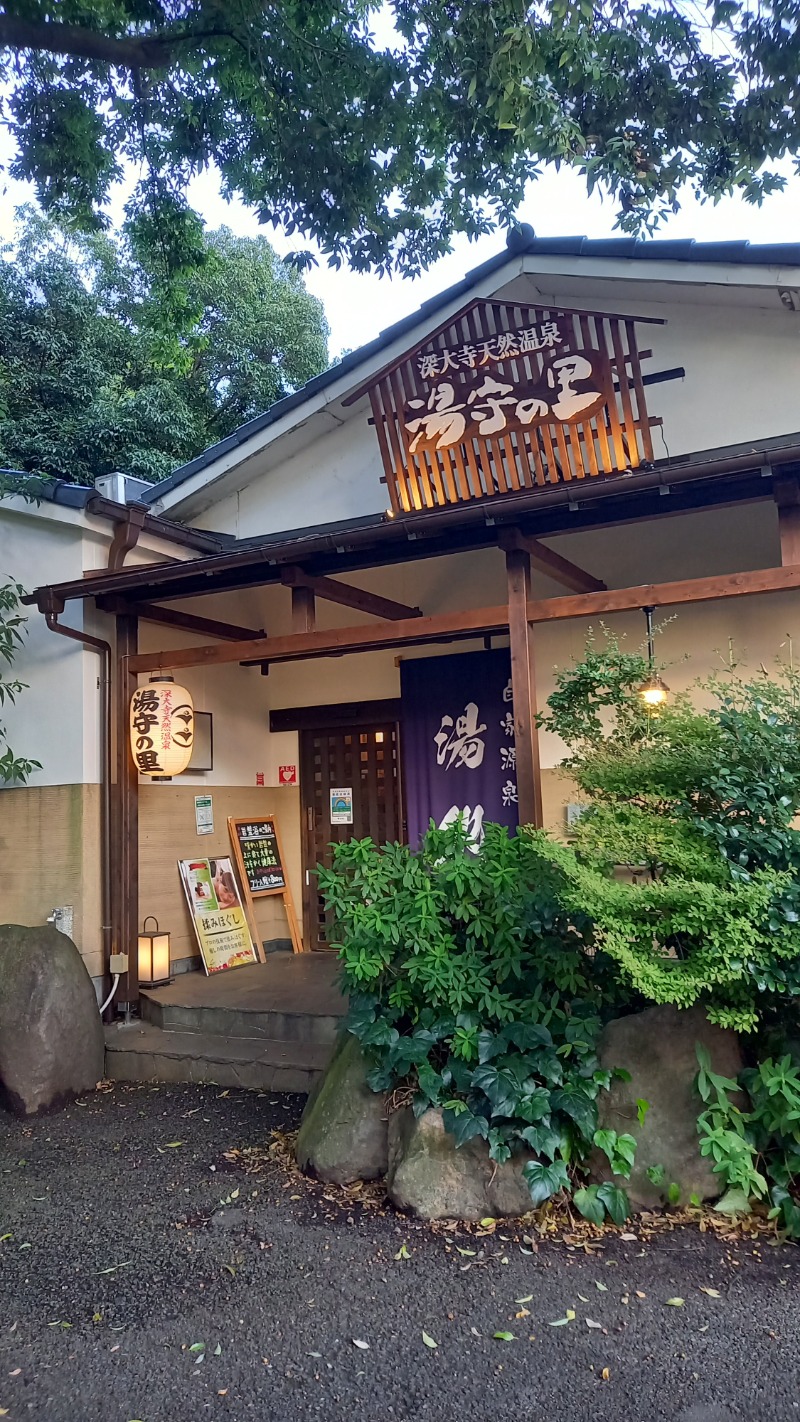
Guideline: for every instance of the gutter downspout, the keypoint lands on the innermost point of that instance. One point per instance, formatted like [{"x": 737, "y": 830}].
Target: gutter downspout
[{"x": 103, "y": 649}]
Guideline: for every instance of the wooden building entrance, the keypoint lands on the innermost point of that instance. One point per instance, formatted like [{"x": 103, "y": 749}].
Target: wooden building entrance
[{"x": 361, "y": 759}]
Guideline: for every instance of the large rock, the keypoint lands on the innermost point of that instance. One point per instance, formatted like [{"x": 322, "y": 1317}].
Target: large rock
[
  {"x": 659, "y": 1049},
  {"x": 51, "y": 1036},
  {"x": 344, "y": 1130},
  {"x": 435, "y": 1179}
]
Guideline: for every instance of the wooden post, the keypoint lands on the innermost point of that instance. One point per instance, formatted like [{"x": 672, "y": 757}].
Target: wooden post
[
  {"x": 787, "y": 497},
  {"x": 126, "y": 837},
  {"x": 303, "y": 609},
  {"x": 523, "y": 686}
]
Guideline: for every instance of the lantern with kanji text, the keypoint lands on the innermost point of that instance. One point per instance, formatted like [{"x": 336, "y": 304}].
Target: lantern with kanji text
[{"x": 161, "y": 728}]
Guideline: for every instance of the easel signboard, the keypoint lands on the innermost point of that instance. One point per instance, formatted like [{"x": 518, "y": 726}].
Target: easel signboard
[
  {"x": 217, "y": 914},
  {"x": 259, "y": 857}
]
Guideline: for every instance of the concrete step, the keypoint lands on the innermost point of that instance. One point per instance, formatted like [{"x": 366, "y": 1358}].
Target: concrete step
[
  {"x": 144, "y": 1052},
  {"x": 293, "y": 999}
]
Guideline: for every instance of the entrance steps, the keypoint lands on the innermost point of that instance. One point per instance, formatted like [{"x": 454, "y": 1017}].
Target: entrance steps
[{"x": 268, "y": 1027}]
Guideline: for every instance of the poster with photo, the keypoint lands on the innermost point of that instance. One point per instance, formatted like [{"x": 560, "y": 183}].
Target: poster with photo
[{"x": 217, "y": 912}]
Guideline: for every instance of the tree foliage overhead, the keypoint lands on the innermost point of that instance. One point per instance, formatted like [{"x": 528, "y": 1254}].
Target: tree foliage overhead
[
  {"x": 379, "y": 130},
  {"x": 105, "y": 366}
]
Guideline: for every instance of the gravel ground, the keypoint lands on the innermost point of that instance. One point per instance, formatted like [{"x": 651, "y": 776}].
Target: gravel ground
[{"x": 135, "y": 1284}]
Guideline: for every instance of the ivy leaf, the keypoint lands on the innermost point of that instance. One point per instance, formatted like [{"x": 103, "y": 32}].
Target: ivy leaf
[
  {"x": 544, "y": 1181},
  {"x": 587, "y": 1204},
  {"x": 615, "y": 1200}
]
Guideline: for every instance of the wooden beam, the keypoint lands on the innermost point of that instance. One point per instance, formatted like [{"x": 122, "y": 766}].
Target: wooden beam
[
  {"x": 125, "y": 898},
  {"x": 331, "y": 590},
  {"x": 187, "y": 621},
  {"x": 761, "y": 580},
  {"x": 787, "y": 497},
  {"x": 336, "y": 640},
  {"x": 338, "y": 713},
  {"x": 523, "y": 687},
  {"x": 474, "y": 622},
  {"x": 304, "y": 609},
  {"x": 553, "y": 564}
]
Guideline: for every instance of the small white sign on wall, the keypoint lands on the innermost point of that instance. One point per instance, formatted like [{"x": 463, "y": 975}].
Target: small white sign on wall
[
  {"x": 204, "y": 814},
  {"x": 342, "y": 806}
]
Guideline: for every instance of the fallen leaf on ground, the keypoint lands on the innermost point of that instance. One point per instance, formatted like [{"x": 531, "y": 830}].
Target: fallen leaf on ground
[
  {"x": 629, "y": 1237},
  {"x": 712, "y": 1293},
  {"x": 112, "y": 1268},
  {"x": 359, "y": 1343},
  {"x": 402, "y": 1252},
  {"x": 606, "y": 1374},
  {"x": 523, "y": 1313},
  {"x": 428, "y": 1341},
  {"x": 640, "y": 1295},
  {"x": 526, "y": 1298},
  {"x": 465, "y": 1251},
  {"x": 504, "y": 1336},
  {"x": 590, "y": 1323},
  {"x": 602, "y": 1287},
  {"x": 675, "y": 1303}
]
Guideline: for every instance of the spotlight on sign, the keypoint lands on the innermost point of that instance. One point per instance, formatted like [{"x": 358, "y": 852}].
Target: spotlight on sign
[{"x": 162, "y": 728}]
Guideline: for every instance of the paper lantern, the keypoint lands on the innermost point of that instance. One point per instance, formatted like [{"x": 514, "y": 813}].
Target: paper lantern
[
  {"x": 162, "y": 727},
  {"x": 154, "y": 955}
]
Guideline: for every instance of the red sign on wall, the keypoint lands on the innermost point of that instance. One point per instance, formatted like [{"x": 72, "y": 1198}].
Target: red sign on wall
[
  {"x": 259, "y": 777},
  {"x": 287, "y": 774}
]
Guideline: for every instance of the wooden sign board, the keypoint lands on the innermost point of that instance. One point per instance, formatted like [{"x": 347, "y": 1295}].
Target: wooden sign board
[
  {"x": 505, "y": 396},
  {"x": 257, "y": 850}
]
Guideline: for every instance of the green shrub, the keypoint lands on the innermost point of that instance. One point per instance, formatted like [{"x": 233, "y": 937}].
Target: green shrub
[
  {"x": 469, "y": 983},
  {"x": 750, "y": 1130},
  {"x": 700, "y": 804}
]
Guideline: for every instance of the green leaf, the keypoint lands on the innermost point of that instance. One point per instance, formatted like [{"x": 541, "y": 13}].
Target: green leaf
[
  {"x": 504, "y": 1336},
  {"x": 642, "y": 1108},
  {"x": 428, "y": 1341},
  {"x": 544, "y": 1181},
  {"x": 733, "y": 1202},
  {"x": 615, "y": 1200},
  {"x": 588, "y": 1204}
]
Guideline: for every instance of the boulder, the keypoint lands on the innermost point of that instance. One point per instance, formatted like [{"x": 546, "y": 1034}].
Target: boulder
[
  {"x": 344, "y": 1130},
  {"x": 435, "y": 1179},
  {"x": 658, "y": 1048},
  {"x": 51, "y": 1035}
]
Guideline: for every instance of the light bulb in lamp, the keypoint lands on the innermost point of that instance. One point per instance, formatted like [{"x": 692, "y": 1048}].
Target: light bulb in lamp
[
  {"x": 154, "y": 955},
  {"x": 653, "y": 692}
]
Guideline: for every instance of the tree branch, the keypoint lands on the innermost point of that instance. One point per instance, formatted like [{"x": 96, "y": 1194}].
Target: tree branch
[{"x": 138, "y": 52}]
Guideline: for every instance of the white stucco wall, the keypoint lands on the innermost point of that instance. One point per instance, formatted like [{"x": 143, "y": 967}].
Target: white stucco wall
[{"x": 737, "y": 342}]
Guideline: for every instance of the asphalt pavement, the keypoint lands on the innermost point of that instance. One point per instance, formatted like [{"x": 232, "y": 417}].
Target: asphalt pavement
[{"x": 146, "y": 1276}]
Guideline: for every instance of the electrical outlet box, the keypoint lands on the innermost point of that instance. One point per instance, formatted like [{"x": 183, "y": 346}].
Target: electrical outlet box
[
  {"x": 572, "y": 814},
  {"x": 118, "y": 963}
]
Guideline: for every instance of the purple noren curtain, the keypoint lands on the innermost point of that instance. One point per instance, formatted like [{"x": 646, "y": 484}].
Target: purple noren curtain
[{"x": 458, "y": 741}]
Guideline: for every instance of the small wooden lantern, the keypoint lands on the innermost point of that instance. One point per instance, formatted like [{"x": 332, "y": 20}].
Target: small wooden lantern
[{"x": 154, "y": 955}]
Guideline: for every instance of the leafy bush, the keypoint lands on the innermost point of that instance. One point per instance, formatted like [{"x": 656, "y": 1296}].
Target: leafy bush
[
  {"x": 700, "y": 804},
  {"x": 469, "y": 984},
  {"x": 755, "y": 1151}
]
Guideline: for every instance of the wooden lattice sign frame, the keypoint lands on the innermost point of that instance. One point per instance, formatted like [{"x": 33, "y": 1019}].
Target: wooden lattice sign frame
[{"x": 506, "y": 397}]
